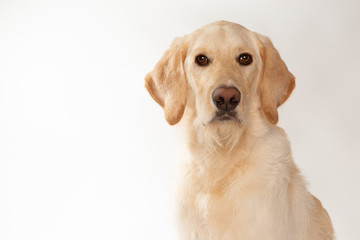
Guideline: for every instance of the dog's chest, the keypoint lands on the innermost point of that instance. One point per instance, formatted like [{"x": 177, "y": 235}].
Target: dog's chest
[
  {"x": 202, "y": 203},
  {"x": 227, "y": 209},
  {"x": 225, "y": 216}
]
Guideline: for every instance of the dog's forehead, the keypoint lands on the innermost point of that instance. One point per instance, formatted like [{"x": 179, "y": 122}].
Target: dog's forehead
[{"x": 222, "y": 34}]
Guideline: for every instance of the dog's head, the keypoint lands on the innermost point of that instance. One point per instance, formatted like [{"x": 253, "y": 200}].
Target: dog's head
[{"x": 221, "y": 71}]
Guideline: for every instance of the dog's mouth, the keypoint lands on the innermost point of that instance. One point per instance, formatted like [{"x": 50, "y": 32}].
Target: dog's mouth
[{"x": 225, "y": 116}]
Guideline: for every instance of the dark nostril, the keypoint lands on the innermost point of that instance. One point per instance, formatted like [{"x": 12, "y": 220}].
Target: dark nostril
[
  {"x": 219, "y": 101},
  {"x": 226, "y": 98}
]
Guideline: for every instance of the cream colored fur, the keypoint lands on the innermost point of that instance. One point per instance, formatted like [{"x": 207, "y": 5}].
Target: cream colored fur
[{"x": 241, "y": 181}]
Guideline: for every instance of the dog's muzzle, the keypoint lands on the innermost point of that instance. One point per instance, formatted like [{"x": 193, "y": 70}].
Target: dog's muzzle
[{"x": 226, "y": 99}]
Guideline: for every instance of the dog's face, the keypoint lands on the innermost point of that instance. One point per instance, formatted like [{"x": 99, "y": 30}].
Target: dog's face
[
  {"x": 220, "y": 72},
  {"x": 222, "y": 66}
]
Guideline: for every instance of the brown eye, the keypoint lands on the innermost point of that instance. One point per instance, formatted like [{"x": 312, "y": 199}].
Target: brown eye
[
  {"x": 202, "y": 60},
  {"x": 245, "y": 59}
]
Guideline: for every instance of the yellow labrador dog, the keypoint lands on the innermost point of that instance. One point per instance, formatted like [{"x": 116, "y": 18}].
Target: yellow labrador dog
[{"x": 225, "y": 84}]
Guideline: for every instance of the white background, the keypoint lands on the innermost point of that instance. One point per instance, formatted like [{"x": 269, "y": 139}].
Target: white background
[{"x": 86, "y": 154}]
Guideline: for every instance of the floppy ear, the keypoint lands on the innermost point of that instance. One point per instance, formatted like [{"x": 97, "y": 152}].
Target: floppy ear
[
  {"x": 167, "y": 83},
  {"x": 276, "y": 83}
]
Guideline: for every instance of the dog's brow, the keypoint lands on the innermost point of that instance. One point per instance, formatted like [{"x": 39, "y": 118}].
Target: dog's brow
[{"x": 200, "y": 50}]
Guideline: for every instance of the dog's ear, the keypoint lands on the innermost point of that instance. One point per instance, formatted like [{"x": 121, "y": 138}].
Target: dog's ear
[
  {"x": 276, "y": 83},
  {"x": 167, "y": 83}
]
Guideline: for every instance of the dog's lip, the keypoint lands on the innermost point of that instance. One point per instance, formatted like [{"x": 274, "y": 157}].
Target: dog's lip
[{"x": 225, "y": 116}]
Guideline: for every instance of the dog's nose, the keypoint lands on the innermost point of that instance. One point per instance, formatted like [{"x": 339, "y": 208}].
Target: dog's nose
[{"x": 226, "y": 98}]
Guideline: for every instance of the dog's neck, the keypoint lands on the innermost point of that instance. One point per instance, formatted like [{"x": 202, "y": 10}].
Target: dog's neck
[
  {"x": 253, "y": 148},
  {"x": 236, "y": 141}
]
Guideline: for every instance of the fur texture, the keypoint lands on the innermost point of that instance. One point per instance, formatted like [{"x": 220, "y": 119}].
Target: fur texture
[{"x": 241, "y": 181}]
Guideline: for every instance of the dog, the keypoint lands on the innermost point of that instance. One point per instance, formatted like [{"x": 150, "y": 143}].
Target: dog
[{"x": 224, "y": 84}]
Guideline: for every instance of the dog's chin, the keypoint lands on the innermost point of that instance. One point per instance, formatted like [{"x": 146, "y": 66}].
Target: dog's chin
[
  {"x": 223, "y": 131},
  {"x": 225, "y": 119}
]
